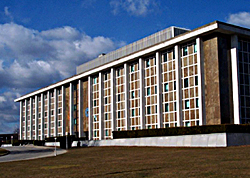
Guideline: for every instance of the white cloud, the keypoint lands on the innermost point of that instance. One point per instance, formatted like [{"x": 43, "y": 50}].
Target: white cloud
[
  {"x": 30, "y": 59},
  {"x": 7, "y": 13},
  {"x": 133, "y": 7},
  {"x": 241, "y": 18}
]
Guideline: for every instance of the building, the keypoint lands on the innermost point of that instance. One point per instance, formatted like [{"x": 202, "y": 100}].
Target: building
[{"x": 175, "y": 77}]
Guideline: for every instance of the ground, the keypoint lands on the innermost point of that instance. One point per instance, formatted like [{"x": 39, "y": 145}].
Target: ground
[
  {"x": 3, "y": 151},
  {"x": 136, "y": 162}
]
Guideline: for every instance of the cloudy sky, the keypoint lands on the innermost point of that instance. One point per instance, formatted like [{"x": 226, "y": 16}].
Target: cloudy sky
[{"x": 42, "y": 42}]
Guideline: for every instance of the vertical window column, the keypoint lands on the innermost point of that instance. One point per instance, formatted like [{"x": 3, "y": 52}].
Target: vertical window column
[
  {"x": 113, "y": 101},
  {"x": 55, "y": 113},
  {"x": 21, "y": 121},
  {"x": 36, "y": 118},
  {"x": 31, "y": 119},
  {"x": 178, "y": 86},
  {"x": 80, "y": 112},
  {"x": 25, "y": 133},
  {"x": 235, "y": 78},
  {"x": 127, "y": 119},
  {"x": 48, "y": 115},
  {"x": 71, "y": 108},
  {"x": 159, "y": 90},
  {"x": 90, "y": 106},
  {"x": 201, "y": 90},
  {"x": 42, "y": 117},
  {"x": 101, "y": 127},
  {"x": 142, "y": 91},
  {"x": 63, "y": 112}
]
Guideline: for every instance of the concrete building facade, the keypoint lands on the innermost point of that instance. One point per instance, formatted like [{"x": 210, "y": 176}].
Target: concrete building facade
[{"x": 173, "y": 78}]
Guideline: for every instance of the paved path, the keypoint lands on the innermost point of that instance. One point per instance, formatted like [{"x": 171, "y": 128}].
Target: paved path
[{"x": 18, "y": 153}]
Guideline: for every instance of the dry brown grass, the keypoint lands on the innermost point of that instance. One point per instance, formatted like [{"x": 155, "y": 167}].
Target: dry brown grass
[
  {"x": 136, "y": 162},
  {"x": 3, "y": 151}
]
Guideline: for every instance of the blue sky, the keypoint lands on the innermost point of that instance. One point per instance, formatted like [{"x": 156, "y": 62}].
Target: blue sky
[{"x": 42, "y": 42}]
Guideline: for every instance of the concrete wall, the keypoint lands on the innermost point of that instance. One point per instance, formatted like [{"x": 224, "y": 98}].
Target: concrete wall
[
  {"x": 199, "y": 140},
  {"x": 212, "y": 86}
]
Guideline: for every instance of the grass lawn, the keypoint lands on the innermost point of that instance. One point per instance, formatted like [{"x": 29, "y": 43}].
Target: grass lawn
[
  {"x": 136, "y": 162},
  {"x": 3, "y": 151}
]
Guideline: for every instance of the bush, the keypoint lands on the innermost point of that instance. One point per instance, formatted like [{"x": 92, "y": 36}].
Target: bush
[{"x": 245, "y": 128}]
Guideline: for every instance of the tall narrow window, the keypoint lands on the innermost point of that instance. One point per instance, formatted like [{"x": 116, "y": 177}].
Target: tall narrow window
[
  {"x": 119, "y": 114},
  {"x": 106, "y": 100},
  {"x": 133, "y": 112},
  {"x": 197, "y": 102},
  {"x": 155, "y": 89},
  {"x": 106, "y": 76},
  {"x": 148, "y": 110},
  {"x": 187, "y": 104},
  {"x": 118, "y": 72},
  {"x": 132, "y": 68},
  {"x": 196, "y": 80},
  {"x": 166, "y": 107},
  {"x": 118, "y": 97},
  {"x": 147, "y": 63},
  {"x": 165, "y": 57},
  {"x": 185, "y": 82},
  {"x": 174, "y": 85},
  {"x": 133, "y": 94},
  {"x": 185, "y": 50},
  {"x": 95, "y": 80},
  {"x": 175, "y": 107},
  {"x": 148, "y": 91},
  {"x": 106, "y": 132},
  {"x": 195, "y": 48},
  {"x": 106, "y": 116},
  {"x": 166, "y": 87}
]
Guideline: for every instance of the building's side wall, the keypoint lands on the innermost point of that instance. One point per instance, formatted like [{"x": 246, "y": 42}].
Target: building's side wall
[{"x": 212, "y": 86}]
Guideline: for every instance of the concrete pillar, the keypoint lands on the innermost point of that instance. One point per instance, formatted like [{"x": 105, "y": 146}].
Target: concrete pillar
[
  {"x": 113, "y": 100},
  {"x": 201, "y": 79},
  {"x": 55, "y": 112},
  {"x": 21, "y": 121},
  {"x": 101, "y": 109},
  {"x": 90, "y": 106},
  {"x": 80, "y": 108},
  {"x": 63, "y": 112},
  {"x": 159, "y": 90},
  {"x": 127, "y": 109},
  {"x": 31, "y": 119},
  {"x": 235, "y": 78},
  {"x": 42, "y": 116},
  {"x": 142, "y": 93},
  {"x": 71, "y": 108},
  {"x": 36, "y": 118},
  {"x": 48, "y": 115},
  {"x": 25, "y": 133},
  {"x": 177, "y": 52}
]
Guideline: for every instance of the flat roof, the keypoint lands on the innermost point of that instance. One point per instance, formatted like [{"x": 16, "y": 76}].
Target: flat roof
[
  {"x": 205, "y": 29},
  {"x": 134, "y": 47}
]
